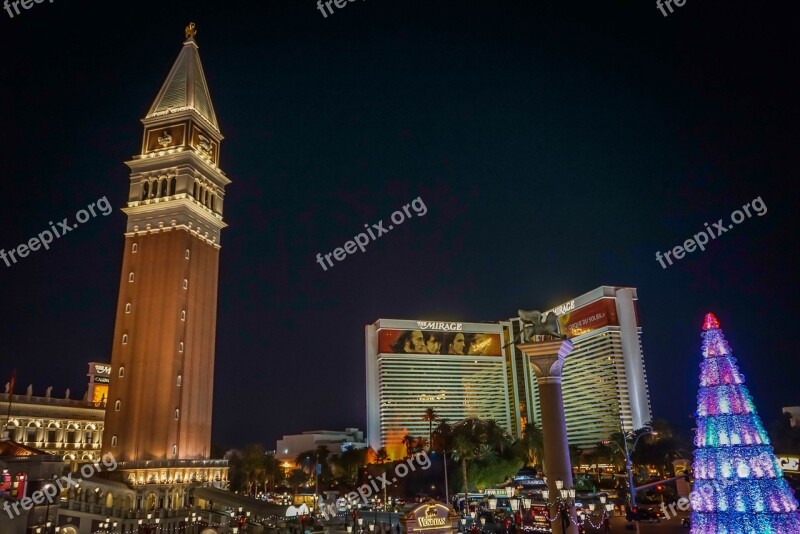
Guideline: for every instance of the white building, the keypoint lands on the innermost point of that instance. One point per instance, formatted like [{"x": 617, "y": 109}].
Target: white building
[
  {"x": 604, "y": 379},
  {"x": 458, "y": 369},
  {"x": 462, "y": 370},
  {"x": 289, "y": 447}
]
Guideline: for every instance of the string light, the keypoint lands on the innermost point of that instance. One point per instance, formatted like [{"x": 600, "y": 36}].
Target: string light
[{"x": 739, "y": 485}]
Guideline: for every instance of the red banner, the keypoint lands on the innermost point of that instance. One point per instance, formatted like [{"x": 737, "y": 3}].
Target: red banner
[{"x": 590, "y": 317}]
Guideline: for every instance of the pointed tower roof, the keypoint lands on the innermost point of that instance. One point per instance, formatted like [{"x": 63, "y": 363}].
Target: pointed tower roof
[{"x": 185, "y": 87}]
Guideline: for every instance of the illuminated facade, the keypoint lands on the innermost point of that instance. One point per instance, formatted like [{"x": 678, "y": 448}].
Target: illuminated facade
[
  {"x": 160, "y": 396},
  {"x": 455, "y": 368},
  {"x": 67, "y": 428},
  {"x": 159, "y": 399},
  {"x": 604, "y": 380}
]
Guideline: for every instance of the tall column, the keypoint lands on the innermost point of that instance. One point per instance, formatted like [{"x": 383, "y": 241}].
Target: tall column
[{"x": 547, "y": 360}]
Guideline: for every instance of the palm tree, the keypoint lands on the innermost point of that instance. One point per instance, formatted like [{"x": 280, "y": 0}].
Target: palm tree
[
  {"x": 466, "y": 439},
  {"x": 463, "y": 451},
  {"x": 430, "y": 416},
  {"x": 532, "y": 444},
  {"x": 253, "y": 465},
  {"x": 408, "y": 441},
  {"x": 496, "y": 436},
  {"x": 273, "y": 470},
  {"x": 442, "y": 436},
  {"x": 297, "y": 478},
  {"x": 305, "y": 461},
  {"x": 486, "y": 453},
  {"x": 381, "y": 456}
]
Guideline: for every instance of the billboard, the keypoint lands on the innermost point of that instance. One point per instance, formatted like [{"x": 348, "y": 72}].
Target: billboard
[
  {"x": 583, "y": 320},
  {"x": 395, "y": 341}
]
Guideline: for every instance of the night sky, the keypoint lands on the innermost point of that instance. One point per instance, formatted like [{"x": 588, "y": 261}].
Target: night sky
[{"x": 556, "y": 145}]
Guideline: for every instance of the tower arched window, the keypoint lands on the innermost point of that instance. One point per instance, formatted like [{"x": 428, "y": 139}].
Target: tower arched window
[
  {"x": 174, "y": 450},
  {"x": 194, "y": 191},
  {"x": 180, "y": 380},
  {"x": 177, "y": 414},
  {"x": 113, "y": 441},
  {"x": 130, "y": 277},
  {"x": 185, "y": 283},
  {"x": 153, "y": 189},
  {"x": 121, "y": 372},
  {"x": 187, "y": 254},
  {"x": 212, "y": 202},
  {"x": 145, "y": 190},
  {"x": 164, "y": 185},
  {"x": 172, "y": 184},
  {"x": 180, "y": 346},
  {"x": 134, "y": 248},
  {"x": 205, "y": 197},
  {"x": 124, "y": 339},
  {"x": 128, "y": 308},
  {"x": 117, "y": 406},
  {"x": 183, "y": 315}
]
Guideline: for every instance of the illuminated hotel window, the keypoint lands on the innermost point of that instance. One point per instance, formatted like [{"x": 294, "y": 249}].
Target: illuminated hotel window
[
  {"x": 128, "y": 308},
  {"x": 124, "y": 339},
  {"x": 130, "y": 277},
  {"x": 180, "y": 346},
  {"x": 185, "y": 283},
  {"x": 117, "y": 406},
  {"x": 187, "y": 254},
  {"x": 180, "y": 380},
  {"x": 134, "y": 248},
  {"x": 113, "y": 441},
  {"x": 121, "y": 372},
  {"x": 183, "y": 315}
]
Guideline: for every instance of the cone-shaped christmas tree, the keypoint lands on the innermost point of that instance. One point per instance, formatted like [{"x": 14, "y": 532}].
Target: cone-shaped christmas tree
[{"x": 739, "y": 486}]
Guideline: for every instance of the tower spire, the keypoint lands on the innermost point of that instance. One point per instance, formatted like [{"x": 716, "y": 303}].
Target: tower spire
[{"x": 185, "y": 88}]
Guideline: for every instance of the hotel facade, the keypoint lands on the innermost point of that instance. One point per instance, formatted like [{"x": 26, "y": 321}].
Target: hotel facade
[
  {"x": 414, "y": 365},
  {"x": 456, "y": 368}
]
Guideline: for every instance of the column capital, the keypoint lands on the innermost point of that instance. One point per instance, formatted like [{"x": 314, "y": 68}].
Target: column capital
[{"x": 547, "y": 357}]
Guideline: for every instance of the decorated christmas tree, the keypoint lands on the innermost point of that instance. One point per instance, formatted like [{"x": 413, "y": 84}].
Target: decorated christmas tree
[{"x": 739, "y": 487}]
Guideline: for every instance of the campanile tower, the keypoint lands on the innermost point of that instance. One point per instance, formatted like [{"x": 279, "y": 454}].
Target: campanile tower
[{"x": 160, "y": 397}]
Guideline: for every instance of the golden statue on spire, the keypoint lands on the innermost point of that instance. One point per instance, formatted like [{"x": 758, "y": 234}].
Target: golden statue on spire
[{"x": 190, "y": 31}]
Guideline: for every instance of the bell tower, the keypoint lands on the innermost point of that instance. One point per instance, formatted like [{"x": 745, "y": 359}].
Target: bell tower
[{"x": 160, "y": 396}]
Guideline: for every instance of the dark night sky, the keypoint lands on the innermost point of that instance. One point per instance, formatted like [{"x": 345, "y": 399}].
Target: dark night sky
[{"x": 557, "y": 147}]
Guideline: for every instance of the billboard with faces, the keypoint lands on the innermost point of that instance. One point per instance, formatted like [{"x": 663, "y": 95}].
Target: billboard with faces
[{"x": 455, "y": 343}]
